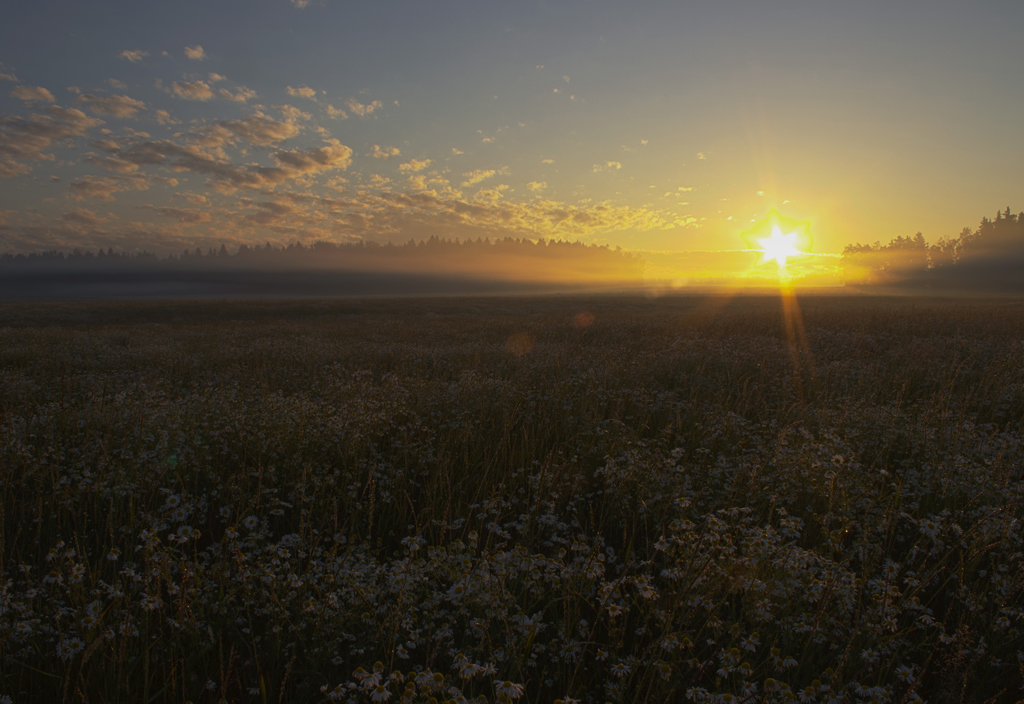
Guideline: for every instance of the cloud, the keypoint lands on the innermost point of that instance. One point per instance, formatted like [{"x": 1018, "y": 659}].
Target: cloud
[
  {"x": 302, "y": 92},
  {"x": 164, "y": 118},
  {"x": 225, "y": 176},
  {"x": 133, "y": 55},
  {"x": 115, "y": 83},
  {"x": 456, "y": 151},
  {"x": 537, "y": 186},
  {"x": 685, "y": 188},
  {"x": 216, "y": 78},
  {"x": 32, "y": 95},
  {"x": 300, "y": 3},
  {"x": 293, "y": 113},
  {"x": 9, "y": 169},
  {"x": 113, "y": 105},
  {"x": 261, "y": 129},
  {"x": 83, "y": 216},
  {"x": 30, "y": 137},
  {"x": 314, "y": 160},
  {"x": 334, "y": 113},
  {"x": 186, "y": 216},
  {"x": 380, "y": 152},
  {"x": 547, "y": 161},
  {"x": 702, "y": 156},
  {"x": 608, "y": 165},
  {"x": 192, "y": 90},
  {"x": 357, "y": 108},
  {"x": 104, "y": 187},
  {"x": 241, "y": 95},
  {"x": 8, "y": 76},
  {"x": 113, "y": 162},
  {"x": 195, "y": 53},
  {"x": 477, "y": 175},
  {"x": 414, "y": 165}
]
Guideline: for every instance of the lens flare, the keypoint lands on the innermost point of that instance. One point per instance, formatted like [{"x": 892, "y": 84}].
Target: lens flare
[{"x": 780, "y": 240}]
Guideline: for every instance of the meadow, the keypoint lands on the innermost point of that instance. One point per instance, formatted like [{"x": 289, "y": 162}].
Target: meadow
[{"x": 584, "y": 499}]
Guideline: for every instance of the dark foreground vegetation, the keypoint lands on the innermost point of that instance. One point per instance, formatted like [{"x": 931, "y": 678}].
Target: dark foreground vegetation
[{"x": 585, "y": 499}]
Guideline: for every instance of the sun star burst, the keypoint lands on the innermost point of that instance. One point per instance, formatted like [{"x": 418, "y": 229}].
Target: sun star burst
[{"x": 778, "y": 247}]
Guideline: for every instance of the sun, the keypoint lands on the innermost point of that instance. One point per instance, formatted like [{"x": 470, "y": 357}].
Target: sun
[
  {"x": 780, "y": 240},
  {"x": 779, "y": 246}
]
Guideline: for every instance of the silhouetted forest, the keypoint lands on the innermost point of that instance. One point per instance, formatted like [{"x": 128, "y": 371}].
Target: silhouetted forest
[
  {"x": 990, "y": 258},
  {"x": 322, "y": 268}
]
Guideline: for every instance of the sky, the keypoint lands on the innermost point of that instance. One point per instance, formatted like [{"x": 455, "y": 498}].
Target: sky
[{"x": 660, "y": 127}]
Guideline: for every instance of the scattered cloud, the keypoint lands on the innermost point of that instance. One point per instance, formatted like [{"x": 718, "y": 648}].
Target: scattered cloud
[
  {"x": 261, "y": 129},
  {"x": 334, "y": 113},
  {"x": 293, "y": 113},
  {"x": 104, "y": 187},
  {"x": 9, "y": 169},
  {"x": 195, "y": 53},
  {"x": 702, "y": 156},
  {"x": 477, "y": 175},
  {"x": 357, "y": 108},
  {"x": 300, "y": 3},
  {"x": 32, "y": 94},
  {"x": 164, "y": 118},
  {"x": 316, "y": 159},
  {"x": 225, "y": 176},
  {"x": 29, "y": 138},
  {"x": 547, "y": 161},
  {"x": 537, "y": 186},
  {"x": 8, "y": 76},
  {"x": 216, "y": 77},
  {"x": 115, "y": 83},
  {"x": 685, "y": 188},
  {"x": 302, "y": 92},
  {"x": 380, "y": 152},
  {"x": 414, "y": 165},
  {"x": 202, "y": 91},
  {"x": 241, "y": 94},
  {"x": 113, "y": 105},
  {"x": 456, "y": 151},
  {"x": 86, "y": 217},
  {"x": 133, "y": 55},
  {"x": 607, "y": 166},
  {"x": 186, "y": 216},
  {"x": 192, "y": 90}
]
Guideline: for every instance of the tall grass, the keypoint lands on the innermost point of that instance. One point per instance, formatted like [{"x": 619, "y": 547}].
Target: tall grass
[{"x": 592, "y": 499}]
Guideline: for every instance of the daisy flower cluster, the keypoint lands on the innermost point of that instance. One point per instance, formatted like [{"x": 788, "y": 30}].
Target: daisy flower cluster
[{"x": 384, "y": 501}]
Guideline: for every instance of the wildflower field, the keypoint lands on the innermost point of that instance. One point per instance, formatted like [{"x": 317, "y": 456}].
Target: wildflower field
[{"x": 585, "y": 499}]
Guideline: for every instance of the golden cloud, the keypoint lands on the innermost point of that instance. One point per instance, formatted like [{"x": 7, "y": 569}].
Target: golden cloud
[
  {"x": 32, "y": 94},
  {"x": 113, "y": 105},
  {"x": 414, "y": 165},
  {"x": 133, "y": 55},
  {"x": 302, "y": 92}
]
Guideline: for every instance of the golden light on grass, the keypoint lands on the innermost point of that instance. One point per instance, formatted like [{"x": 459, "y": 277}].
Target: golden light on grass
[{"x": 780, "y": 239}]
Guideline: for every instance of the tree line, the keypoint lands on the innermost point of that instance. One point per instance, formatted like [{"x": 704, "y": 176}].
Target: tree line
[
  {"x": 512, "y": 258},
  {"x": 989, "y": 257}
]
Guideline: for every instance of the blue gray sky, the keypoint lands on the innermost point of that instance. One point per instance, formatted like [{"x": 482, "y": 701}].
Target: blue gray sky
[{"x": 658, "y": 127}]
